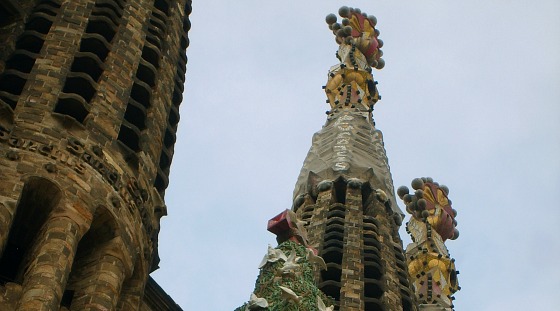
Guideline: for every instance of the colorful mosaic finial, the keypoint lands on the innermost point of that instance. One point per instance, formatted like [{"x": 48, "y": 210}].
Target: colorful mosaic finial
[
  {"x": 350, "y": 83},
  {"x": 430, "y": 202},
  {"x": 431, "y": 269}
]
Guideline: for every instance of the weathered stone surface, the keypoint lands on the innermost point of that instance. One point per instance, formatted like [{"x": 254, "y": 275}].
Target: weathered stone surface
[
  {"x": 348, "y": 146},
  {"x": 78, "y": 219}
]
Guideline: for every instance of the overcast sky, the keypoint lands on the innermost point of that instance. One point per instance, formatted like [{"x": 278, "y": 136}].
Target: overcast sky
[{"x": 470, "y": 96}]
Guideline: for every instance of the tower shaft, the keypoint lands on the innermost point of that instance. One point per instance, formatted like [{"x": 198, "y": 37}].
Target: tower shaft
[
  {"x": 346, "y": 198},
  {"x": 89, "y": 96}
]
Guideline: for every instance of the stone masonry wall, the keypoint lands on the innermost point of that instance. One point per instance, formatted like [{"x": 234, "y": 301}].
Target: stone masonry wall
[
  {"x": 345, "y": 194},
  {"x": 79, "y": 208}
]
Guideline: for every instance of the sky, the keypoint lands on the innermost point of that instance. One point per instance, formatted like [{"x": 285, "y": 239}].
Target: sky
[{"x": 470, "y": 97}]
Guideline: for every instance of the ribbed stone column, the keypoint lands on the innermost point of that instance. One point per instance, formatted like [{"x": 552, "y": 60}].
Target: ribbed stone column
[
  {"x": 317, "y": 222},
  {"x": 103, "y": 286},
  {"x": 316, "y": 227},
  {"x": 125, "y": 55},
  {"x": 48, "y": 76},
  {"x": 391, "y": 296},
  {"x": 72, "y": 74},
  {"x": 48, "y": 271},
  {"x": 351, "y": 293},
  {"x": 133, "y": 287},
  {"x": 131, "y": 294}
]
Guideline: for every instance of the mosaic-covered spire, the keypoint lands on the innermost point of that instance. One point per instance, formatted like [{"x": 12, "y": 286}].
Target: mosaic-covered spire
[
  {"x": 349, "y": 145},
  {"x": 432, "y": 270},
  {"x": 286, "y": 280}
]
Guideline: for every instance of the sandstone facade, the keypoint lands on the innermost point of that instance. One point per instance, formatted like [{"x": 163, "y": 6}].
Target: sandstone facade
[{"x": 89, "y": 96}]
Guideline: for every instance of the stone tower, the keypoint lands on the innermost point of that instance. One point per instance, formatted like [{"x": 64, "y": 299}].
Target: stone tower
[
  {"x": 89, "y": 97},
  {"x": 344, "y": 208},
  {"x": 345, "y": 190}
]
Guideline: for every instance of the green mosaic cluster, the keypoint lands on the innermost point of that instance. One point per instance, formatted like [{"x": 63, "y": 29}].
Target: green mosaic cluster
[{"x": 302, "y": 283}]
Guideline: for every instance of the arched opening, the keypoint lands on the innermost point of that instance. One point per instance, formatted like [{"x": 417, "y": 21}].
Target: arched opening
[
  {"x": 161, "y": 181},
  {"x": 21, "y": 60},
  {"x": 407, "y": 304},
  {"x": 366, "y": 193},
  {"x": 340, "y": 190},
  {"x": 103, "y": 26},
  {"x": 38, "y": 198},
  {"x": 162, "y": 5},
  {"x": 9, "y": 12},
  {"x": 373, "y": 288},
  {"x": 95, "y": 44},
  {"x": 373, "y": 304}
]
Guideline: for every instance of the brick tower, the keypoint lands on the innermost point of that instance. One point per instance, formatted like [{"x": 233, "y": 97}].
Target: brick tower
[
  {"x": 89, "y": 96},
  {"x": 344, "y": 208}
]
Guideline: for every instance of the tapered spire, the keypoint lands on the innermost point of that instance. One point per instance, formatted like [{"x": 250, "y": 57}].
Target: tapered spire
[
  {"x": 349, "y": 145},
  {"x": 344, "y": 214},
  {"x": 345, "y": 190}
]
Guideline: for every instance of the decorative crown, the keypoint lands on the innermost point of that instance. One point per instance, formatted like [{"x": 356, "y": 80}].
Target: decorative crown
[
  {"x": 358, "y": 28},
  {"x": 430, "y": 203},
  {"x": 350, "y": 83}
]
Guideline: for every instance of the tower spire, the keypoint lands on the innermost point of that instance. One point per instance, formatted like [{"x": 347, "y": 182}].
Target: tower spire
[
  {"x": 431, "y": 268},
  {"x": 345, "y": 190},
  {"x": 349, "y": 145},
  {"x": 344, "y": 207}
]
